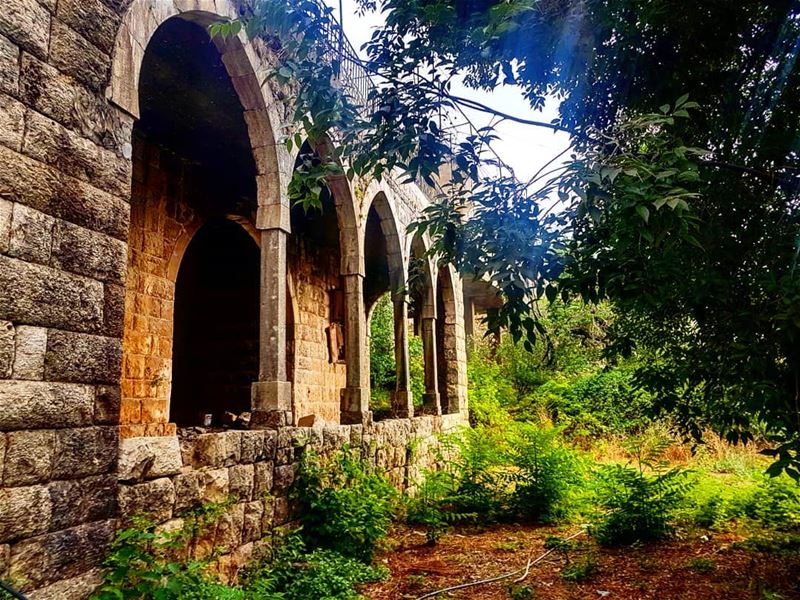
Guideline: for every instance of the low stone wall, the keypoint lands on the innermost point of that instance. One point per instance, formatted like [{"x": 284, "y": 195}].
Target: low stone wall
[{"x": 167, "y": 475}]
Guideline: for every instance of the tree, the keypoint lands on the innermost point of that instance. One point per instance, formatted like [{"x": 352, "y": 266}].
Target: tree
[{"x": 679, "y": 202}]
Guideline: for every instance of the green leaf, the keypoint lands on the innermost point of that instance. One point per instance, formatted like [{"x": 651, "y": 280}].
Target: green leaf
[{"x": 643, "y": 212}]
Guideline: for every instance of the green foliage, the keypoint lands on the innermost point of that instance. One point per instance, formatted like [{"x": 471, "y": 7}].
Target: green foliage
[
  {"x": 290, "y": 572},
  {"x": 638, "y": 506},
  {"x": 544, "y": 473},
  {"x": 774, "y": 503},
  {"x": 343, "y": 504},
  {"x": 701, "y": 564},
  {"x": 148, "y": 563},
  {"x": 382, "y": 370},
  {"x": 520, "y": 592}
]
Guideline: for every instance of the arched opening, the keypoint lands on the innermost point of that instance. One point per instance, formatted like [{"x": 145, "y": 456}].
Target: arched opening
[
  {"x": 215, "y": 350},
  {"x": 314, "y": 257},
  {"x": 446, "y": 354},
  {"x": 421, "y": 343},
  {"x": 192, "y": 164}
]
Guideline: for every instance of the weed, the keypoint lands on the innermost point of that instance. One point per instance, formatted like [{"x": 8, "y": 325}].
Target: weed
[
  {"x": 520, "y": 592},
  {"x": 701, "y": 564},
  {"x": 580, "y": 569}
]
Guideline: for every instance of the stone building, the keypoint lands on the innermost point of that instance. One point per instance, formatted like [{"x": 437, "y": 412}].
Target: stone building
[{"x": 154, "y": 277}]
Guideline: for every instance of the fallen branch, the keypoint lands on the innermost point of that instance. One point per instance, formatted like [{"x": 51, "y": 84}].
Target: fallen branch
[{"x": 524, "y": 570}]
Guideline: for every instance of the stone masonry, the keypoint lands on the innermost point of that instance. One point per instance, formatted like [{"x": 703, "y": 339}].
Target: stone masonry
[{"x": 104, "y": 186}]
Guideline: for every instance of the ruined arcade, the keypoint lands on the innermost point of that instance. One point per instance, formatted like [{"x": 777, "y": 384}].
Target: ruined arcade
[{"x": 171, "y": 328}]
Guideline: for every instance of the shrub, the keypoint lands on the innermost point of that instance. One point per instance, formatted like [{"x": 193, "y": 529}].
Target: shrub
[
  {"x": 638, "y": 506},
  {"x": 344, "y": 505},
  {"x": 774, "y": 503},
  {"x": 146, "y": 563},
  {"x": 289, "y": 572},
  {"x": 544, "y": 473}
]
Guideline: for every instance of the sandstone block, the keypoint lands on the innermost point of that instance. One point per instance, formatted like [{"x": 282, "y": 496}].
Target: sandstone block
[
  {"x": 30, "y": 346},
  {"x": 27, "y": 24},
  {"x": 9, "y": 66},
  {"x": 74, "y": 588},
  {"x": 154, "y": 498},
  {"x": 188, "y": 490},
  {"x": 31, "y": 234},
  {"x": 106, "y": 405},
  {"x": 79, "y": 357},
  {"x": 12, "y": 116},
  {"x": 24, "y": 511},
  {"x": 113, "y": 310},
  {"x": 92, "y": 19},
  {"x": 60, "y": 555},
  {"x": 217, "y": 449},
  {"x": 214, "y": 485},
  {"x": 89, "y": 253},
  {"x": 263, "y": 478},
  {"x": 83, "y": 452},
  {"x": 38, "y": 404},
  {"x": 7, "y": 335},
  {"x": 252, "y": 524},
  {"x": 284, "y": 477},
  {"x": 75, "y": 56},
  {"x": 82, "y": 500},
  {"x": 253, "y": 446},
  {"x": 29, "y": 457},
  {"x": 47, "y": 297},
  {"x": 241, "y": 481},
  {"x": 5, "y": 559},
  {"x": 229, "y": 528},
  {"x": 48, "y": 190},
  {"x": 148, "y": 458}
]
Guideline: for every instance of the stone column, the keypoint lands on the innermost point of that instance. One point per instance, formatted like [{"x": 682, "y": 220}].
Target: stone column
[
  {"x": 402, "y": 401},
  {"x": 355, "y": 397},
  {"x": 431, "y": 401},
  {"x": 272, "y": 393}
]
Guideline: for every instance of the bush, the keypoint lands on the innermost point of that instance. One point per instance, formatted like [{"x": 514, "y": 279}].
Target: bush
[
  {"x": 290, "y": 572},
  {"x": 638, "y": 506},
  {"x": 774, "y": 503},
  {"x": 343, "y": 504},
  {"x": 146, "y": 563},
  {"x": 544, "y": 473}
]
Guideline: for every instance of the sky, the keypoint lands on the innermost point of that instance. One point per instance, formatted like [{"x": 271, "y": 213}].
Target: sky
[{"x": 524, "y": 148}]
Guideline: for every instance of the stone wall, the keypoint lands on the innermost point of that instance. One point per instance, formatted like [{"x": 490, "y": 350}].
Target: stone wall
[{"x": 165, "y": 476}]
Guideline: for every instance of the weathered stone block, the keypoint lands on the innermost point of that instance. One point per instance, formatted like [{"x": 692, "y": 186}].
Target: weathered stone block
[
  {"x": 92, "y": 19},
  {"x": 47, "y": 297},
  {"x": 113, "y": 310},
  {"x": 106, "y": 405},
  {"x": 284, "y": 476},
  {"x": 253, "y": 447},
  {"x": 253, "y": 517},
  {"x": 37, "y": 404},
  {"x": 75, "y": 56},
  {"x": 9, "y": 66},
  {"x": 29, "y": 457},
  {"x": 148, "y": 457},
  {"x": 89, "y": 253},
  {"x": 82, "y": 500},
  {"x": 155, "y": 498},
  {"x": 12, "y": 117},
  {"x": 24, "y": 511},
  {"x": 79, "y": 357},
  {"x": 263, "y": 478},
  {"x": 241, "y": 481},
  {"x": 188, "y": 490},
  {"x": 7, "y": 335},
  {"x": 214, "y": 485},
  {"x": 74, "y": 588},
  {"x": 84, "y": 452},
  {"x": 229, "y": 528},
  {"x": 60, "y": 555},
  {"x": 6, "y": 211},
  {"x": 31, "y": 234},
  {"x": 30, "y": 346},
  {"x": 217, "y": 449},
  {"x": 27, "y": 24},
  {"x": 48, "y": 190},
  {"x": 5, "y": 560}
]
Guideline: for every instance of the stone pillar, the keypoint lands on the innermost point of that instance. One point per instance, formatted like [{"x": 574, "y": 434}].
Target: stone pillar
[
  {"x": 355, "y": 397},
  {"x": 431, "y": 401},
  {"x": 272, "y": 393},
  {"x": 402, "y": 401}
]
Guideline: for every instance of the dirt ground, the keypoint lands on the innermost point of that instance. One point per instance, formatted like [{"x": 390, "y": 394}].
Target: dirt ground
[{"x": 697, "y": 567}]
